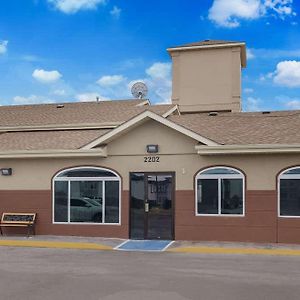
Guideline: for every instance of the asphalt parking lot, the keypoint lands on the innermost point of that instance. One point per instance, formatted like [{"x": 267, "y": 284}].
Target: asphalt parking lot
[{"x": 41, "y": 273}]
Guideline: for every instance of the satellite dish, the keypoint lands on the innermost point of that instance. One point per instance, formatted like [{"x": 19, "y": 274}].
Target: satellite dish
[{"x": 139, "y": 90}]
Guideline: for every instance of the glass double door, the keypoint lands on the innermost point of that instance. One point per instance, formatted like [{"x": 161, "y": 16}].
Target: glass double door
[{"x": 151, "y": 205}]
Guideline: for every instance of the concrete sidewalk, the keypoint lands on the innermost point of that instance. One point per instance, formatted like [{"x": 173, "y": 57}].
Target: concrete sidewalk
[{"x": 96, "y": 243}]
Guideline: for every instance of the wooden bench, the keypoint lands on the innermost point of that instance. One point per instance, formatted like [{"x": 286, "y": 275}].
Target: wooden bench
[{"x": 18, "y": 220}]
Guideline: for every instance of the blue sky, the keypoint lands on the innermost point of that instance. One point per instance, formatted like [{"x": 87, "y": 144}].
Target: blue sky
[{"x": 75, "y": 50}]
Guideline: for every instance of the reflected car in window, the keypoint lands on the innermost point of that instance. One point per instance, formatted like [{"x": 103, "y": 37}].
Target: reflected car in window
[{"x": 86, "y": 210}]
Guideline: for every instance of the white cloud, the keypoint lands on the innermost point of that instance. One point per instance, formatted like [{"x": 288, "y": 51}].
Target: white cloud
[
  {"x": 287, "y": 73},
  {"x": 30, "y": 58},
  {"x": 73, "y": 6},
  {"x": 86, "y": 97},
  {"x": 250, "y": 54},
  {"x": 253, "y": 104},
  {"x": 116, "y": 12},
  {"x": 281, "y": 7},
  {"x": 293, "y": 104},
  {"x": 267, "y": 76},
  {"x": 46, "y": 76},
  {"x": 228, "y": 13},
  {"x": 159, "y": 81},
  {"x": 110, "y": 80},
  {"x": 159, "y": 70},
  {"x": 248, "y": 90},
  {"x": 289, "y": 102},
  {"x": 32, "y": 99},
  {"x": 59, "y": 92},
  {"x": 157, "y": 78},
  {"x": 3, "y": 47}
]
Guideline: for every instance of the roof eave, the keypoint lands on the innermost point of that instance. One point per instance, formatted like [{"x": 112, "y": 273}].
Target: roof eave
[
  {"x": 99, "y": 152},
  {"x": 216, "y": 46},
  {"x": 248, "y": 149}
]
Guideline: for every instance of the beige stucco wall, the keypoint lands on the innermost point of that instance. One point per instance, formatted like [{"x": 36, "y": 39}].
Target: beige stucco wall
[
  {"x": 126, "y": 154},
  {"x": 207, "y": 79}
]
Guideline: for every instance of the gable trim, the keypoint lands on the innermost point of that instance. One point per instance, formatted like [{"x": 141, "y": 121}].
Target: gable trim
[{"x": 104, "y": 139}]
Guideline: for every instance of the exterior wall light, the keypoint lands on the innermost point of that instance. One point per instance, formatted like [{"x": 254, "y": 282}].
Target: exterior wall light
[
  {"x": 6, "y": 171},
  {"x": 152, "y": 148}
]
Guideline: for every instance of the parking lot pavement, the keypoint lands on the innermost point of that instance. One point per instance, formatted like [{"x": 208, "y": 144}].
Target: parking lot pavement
[{"x": 40, "y": 273}]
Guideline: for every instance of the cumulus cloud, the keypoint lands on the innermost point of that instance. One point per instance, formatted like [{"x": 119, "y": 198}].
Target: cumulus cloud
[
  {"x": 87, "y": 97},
  {"x": 228, "y": 13},
  {"x": 250, "y": 54},
  {"x": 110, "y": 80},
  {"x": 159, "y": 70},
  {"x": 248, "y": 90},
  {"x": 159, "y": 81},
  {"x": 116, "y": 12},
  {"x": 157, "y": 78},
  {"x": 59, "y": 92},
  {"x": 73, "y": 6},
  {"x": 32, "y": 99},
  {"x": 3, "y": 47},
  {"x": 252, "y": 104},
  {"x": 287, "y": 73},
  {"x": 288, "y": 102},
  {"x": 293, "y": 104},
  {"x": 46, "y": 76}
]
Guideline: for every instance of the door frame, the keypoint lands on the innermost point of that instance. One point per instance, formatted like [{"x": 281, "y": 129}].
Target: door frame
[{"x": 173, "y": 200}]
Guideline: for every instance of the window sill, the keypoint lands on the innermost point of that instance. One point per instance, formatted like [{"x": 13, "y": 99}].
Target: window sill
[{"x": 82, "y": 223}]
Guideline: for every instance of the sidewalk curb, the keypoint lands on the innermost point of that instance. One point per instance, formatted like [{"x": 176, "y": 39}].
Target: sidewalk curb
[
  {"x": 245, "y": 251},
  {"x": 192, "y": 250},
  {"x": 50, "y": 244}
]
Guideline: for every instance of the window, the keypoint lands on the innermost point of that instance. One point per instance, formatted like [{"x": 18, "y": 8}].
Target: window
[
  {"x": 220, "y": 191},
  {"x": 289, "y": 193},
  {"x": 86, "y": 195}
]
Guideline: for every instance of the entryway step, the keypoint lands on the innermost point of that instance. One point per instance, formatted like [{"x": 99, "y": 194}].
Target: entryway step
[{"x": 144, "y": 245}]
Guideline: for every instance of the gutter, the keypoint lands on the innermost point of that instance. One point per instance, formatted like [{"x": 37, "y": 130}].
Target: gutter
[
  {"x": 225, "y": 45},
  {"x": 57, "y": 127},
  {"x": 248, "y": 149}
]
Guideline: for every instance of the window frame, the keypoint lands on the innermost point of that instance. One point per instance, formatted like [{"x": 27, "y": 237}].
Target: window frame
[
  {"x": 285, "y": 176},
  {"x": 56, "y": 178},
  {"x": 219, "y": 177}
]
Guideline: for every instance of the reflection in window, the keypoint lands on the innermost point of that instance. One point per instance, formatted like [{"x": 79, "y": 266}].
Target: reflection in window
[
  {"x": 61, "y": 201},
  {"x": 220, "y": 191},
  {"x": 87, "y": 199},
  {"x": 289, "y": 187}
]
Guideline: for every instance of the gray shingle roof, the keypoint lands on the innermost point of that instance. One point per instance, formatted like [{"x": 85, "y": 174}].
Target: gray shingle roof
[
  {"x": 278, "y": 127},
  {"x": 75, "y": 113}
]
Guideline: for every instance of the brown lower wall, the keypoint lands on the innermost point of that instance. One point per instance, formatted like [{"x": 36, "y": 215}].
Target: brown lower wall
[
  {"x": 260, "y": 223},
  {"x": 41, "y": 203}
]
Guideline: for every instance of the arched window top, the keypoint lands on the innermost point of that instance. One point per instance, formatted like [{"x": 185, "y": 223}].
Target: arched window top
[
  {"x": 291, "y": 171},
  {"x": 220, "y": 171},
  {"x": 86, "y": 172}
]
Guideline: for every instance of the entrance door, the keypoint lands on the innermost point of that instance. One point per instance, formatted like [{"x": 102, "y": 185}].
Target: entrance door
[{"x": 151, "y": 205}]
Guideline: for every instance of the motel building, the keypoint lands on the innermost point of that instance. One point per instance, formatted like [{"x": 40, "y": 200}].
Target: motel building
[{"x": 197, "y": 169}]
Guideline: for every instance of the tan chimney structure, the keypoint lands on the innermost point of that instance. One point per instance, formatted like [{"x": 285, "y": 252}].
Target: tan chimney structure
[{"x": 207, "y": 75}]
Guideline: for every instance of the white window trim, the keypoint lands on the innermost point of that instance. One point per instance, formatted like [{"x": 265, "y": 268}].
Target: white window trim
[
  {"x": 219, "y": 177},
  {"x": 69, "y": 179},
  {"x": 285, "y": 176}
]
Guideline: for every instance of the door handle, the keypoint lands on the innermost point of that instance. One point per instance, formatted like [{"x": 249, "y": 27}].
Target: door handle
[{"x": 146, "y": 207}]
